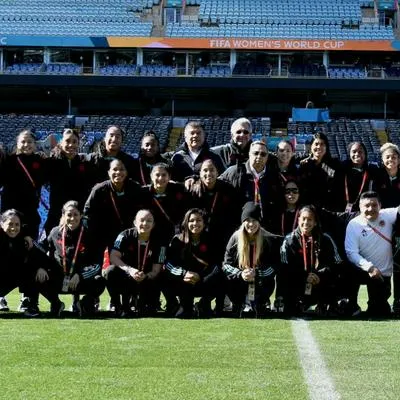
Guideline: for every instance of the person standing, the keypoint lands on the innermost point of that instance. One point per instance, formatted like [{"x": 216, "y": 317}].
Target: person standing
[
  {"x": 187, "y": 160},
  {"x": 254, "y": 182},
  {"x": 237, "y": 150}
]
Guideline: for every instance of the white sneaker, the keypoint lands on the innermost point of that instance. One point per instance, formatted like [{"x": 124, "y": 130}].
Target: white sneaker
[
  {"x": 3, "y": 304},
  {"x": 227, "y": 305}
]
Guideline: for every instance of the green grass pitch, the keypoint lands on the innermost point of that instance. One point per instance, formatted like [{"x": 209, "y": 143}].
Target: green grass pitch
[{"x": 213, "y": 359}]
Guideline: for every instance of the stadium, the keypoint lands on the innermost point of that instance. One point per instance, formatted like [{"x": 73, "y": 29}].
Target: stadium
[{"x": 291, "y": 68}]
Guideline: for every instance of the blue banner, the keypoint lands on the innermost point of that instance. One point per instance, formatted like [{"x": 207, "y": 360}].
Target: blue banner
[{"x": 52, "y": 41}]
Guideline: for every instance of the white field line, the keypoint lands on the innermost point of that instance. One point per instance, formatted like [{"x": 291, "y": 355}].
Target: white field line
[{"x": 316, "y": 374}]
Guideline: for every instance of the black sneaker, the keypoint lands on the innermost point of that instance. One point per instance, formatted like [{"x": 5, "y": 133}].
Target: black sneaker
[
  {"x": 3, "y": 304},
  {"x": 57, "y": 308},
  {"x": 86, "y": 306},
  {"x": 32, "y": 312}
]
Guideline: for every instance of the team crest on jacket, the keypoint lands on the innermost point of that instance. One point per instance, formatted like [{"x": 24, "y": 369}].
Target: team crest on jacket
[
  {"x": 382, "y": 223},
  {"x": 35, "y": 165}
]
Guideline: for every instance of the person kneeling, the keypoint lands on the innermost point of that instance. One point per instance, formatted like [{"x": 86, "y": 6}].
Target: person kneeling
[
  {"x": 250, "y": 264},
  {"x": 136, "y": 262},
  {"x": 191, "y": 269},
  {"x": 310, "y": 263},
  {"x": 19, "y": 260},
  {"x": 77, "y": 265}
]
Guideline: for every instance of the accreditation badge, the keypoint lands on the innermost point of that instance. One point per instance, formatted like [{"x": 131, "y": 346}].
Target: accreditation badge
[
  {"x": 349, "y": 207},
  {"x": 251, "y": 293},
  {"x": 308, "y": 289},
  {"x": 65, "y": 284}
]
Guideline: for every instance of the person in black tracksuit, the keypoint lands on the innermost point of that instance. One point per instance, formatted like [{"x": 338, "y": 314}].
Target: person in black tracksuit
[
  {"x": 250, "y": 264},
  {"x": 310, "y": 266},
  {"x": 237, "y": 151},
  {"x": 136, "y": 262},
  {"x": 319, "y": 175},
  {"x": 218, "y": 198},
  {"x": 387, "y": 185},
  {"x": 148, "y": 157},
  {"x": 24, "y": 267},
  {"x": 167, "y": 201},
  {"x": 77, "y": 268},
  {"x": 22, "y": 175},
  {"x": 190, "y": 267},
  {"x": 70, "y": 177},
  {"x": 110, "y": 149},
  {"x": 283, "y": 163},
  {"x": 254, "y": 182},
  {"x": 355, "y": 176},
  {"x": 112, "y": 206},
  {"x": 187, "y": 160}
]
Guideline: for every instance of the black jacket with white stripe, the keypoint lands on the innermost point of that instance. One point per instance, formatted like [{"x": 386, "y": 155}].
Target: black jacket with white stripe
[{"x": 268, "y": 262}]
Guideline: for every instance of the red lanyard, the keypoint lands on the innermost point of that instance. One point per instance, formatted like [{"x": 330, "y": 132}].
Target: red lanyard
[
  {"x": 283, "y": 177},
  {"x": 146, "y": 250},
  {"x": 26, "y": 172},
  {"x": 254, "y": 261},
  {"x": 304, "y": 246},
  {"x": 379, "y": 233},
  {"x": 294, "y": 222},
  {"x": 64, "y": 252},
  {"x": 364, "y": 180},
  {"x": 257, "y": 198},
  {"x": 116, "y": 208},
  {"x": 142, "y": 172},
  {"x": 158, "y": 204}
]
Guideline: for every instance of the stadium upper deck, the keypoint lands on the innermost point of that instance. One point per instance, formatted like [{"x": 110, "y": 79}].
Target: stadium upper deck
[{"x": 110, "y": 23}]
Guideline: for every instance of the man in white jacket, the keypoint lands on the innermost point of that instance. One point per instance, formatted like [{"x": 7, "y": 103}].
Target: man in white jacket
[{"x": 368, "y": 246}]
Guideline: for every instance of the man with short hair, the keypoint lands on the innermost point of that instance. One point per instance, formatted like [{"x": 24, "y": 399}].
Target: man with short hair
[
  {"x": 187, "y": 160},
  {"x": 255, "y": 182},
  {"x": 237, "y": 150},
  {"x": 368, "y": 245}
]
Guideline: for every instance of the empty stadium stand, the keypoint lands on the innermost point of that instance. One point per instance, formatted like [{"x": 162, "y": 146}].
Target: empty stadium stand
[
  {"x": 75, "y": 18},
  {"x": 325, "y": 19},
  {"x": 340, "y": 133}
]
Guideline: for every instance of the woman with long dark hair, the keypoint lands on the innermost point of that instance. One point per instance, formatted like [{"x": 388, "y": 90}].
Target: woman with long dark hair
[
  {"x": 191, "y": 269},
  {"x": 77, "y": 263},
  {"x": 219, "y": 199},
  {"x": 310, "y": 266},
  {"x": 112, "y": 205},
  {"x": 149, "y": 156},
  {"x": 318, "y": 174},
  {"x": 110, "y": 148},
  {"x": 70, "y": 177},
  {"x": 24, "y": 267},
  {"x": 356, "y": 177},
  {"x": 22, "y": 175},
  {"x": 167, "y": 201}
]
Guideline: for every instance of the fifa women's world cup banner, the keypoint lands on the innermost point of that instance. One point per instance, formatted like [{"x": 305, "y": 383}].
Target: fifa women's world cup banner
[
  {"x": 255, "y": 44},
  {"x": 199, "y": 43}
]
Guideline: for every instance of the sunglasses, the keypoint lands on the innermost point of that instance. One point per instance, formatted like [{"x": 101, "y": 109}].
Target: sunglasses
[
  {"x": 259, "y": 153},
  {"x": 244, "y": 131},
  {"x": 294, "y": 191}
]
